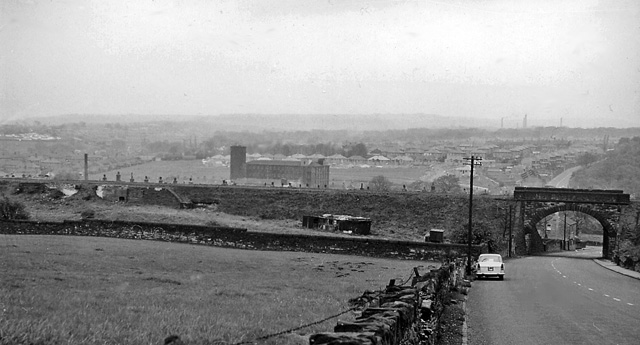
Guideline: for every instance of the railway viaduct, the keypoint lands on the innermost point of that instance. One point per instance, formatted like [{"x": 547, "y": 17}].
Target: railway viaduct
[{"x": 608, "y": 207}]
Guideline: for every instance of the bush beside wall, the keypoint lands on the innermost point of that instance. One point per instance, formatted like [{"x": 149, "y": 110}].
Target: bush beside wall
[{"x": 628, "y": 256}]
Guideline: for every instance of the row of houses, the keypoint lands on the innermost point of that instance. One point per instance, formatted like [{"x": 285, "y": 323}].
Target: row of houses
[
  {"x": 559, "y": 158},
  {"x": 456, "y": 154},
  {"x": 379, "y": 156},
  {"x": 336, "y": 159},
  {"x": 39, "y": 165}
]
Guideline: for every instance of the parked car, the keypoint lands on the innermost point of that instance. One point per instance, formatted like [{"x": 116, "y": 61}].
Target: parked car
[{"x": 490, "y": 265}]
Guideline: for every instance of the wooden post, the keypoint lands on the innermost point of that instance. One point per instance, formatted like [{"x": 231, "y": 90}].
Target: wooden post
[{"x": 510, "y": 229}]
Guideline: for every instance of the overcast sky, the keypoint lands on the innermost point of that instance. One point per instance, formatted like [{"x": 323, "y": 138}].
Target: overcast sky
[{"x": 573, "y": 59}]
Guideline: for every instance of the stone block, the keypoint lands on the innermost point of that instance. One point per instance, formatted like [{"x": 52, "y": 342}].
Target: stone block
[
  {"x": 381, "y": 329},
  {"x": 345, "y": 339},
  {"x": 404, "y": 294},
  {"x": 407, "y": 311},
  {"x": 425, "y": 309},
  {"x": 385, "y": 321},
  {"x": 386, "y": 312}
]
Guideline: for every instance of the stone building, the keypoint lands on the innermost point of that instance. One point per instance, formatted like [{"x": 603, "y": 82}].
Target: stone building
[{"x": 312, "y": 174}]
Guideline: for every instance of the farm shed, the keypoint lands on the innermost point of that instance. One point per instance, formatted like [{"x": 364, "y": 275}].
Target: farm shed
[
  {"x": 435, "y": 235},
  {"x": 350, "y": 224}
]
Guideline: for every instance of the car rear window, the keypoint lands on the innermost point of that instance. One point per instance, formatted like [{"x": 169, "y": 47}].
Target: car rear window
[{"x": 492, "y": 258}]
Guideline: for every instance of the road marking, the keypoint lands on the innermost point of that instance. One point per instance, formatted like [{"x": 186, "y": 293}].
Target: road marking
[{"x": 590, "y": 289}]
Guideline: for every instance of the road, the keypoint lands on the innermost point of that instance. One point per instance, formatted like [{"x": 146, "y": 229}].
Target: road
[
  {"x": 562, "y": 180},
  {"x": 555, "y": 299}
]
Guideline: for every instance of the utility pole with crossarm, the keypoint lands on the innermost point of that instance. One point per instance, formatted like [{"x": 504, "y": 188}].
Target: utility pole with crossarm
[{"x": 472, "y": 161}]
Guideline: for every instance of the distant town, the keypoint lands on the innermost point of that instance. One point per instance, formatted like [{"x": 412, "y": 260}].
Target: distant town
[{"x": 514, "y": 157}]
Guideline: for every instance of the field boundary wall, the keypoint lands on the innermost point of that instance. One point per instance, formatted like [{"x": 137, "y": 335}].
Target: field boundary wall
[
  {"x": 242, "y": 239},
  {"x": 401, "y": 314}
]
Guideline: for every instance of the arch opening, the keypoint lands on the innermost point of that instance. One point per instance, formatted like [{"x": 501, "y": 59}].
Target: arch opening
[{"x": 569, "y": 227}]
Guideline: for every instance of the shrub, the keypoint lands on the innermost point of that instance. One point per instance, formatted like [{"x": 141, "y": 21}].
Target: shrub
[
  {"x": 66, "y": 175},
  {"x": 482, "y": 232},
  {"x": 87, "y": 214},
  {"x": 380, "y": 183},
  {"x": 628, "y": 255},
  {"x": 12, "y": 210},
  {"x": 212, "y": 223},
  {"x": 448, "y": 184},
  {"x": 56, "y": 194}
]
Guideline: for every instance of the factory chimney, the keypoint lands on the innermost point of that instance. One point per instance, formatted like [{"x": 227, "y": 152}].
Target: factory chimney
[{"x": 86, "y": 167}]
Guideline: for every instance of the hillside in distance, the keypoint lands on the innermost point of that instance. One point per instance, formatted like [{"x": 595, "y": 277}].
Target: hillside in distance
[
  {"x": 619, "y": 169},
  {"x": 371, "y": 122},
  {"x": 282, "y": 122}
]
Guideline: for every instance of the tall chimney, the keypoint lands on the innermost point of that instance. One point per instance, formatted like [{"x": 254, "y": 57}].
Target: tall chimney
[
  {"x": 86, "y": 167},
  {"x": 238, "y": 164}
]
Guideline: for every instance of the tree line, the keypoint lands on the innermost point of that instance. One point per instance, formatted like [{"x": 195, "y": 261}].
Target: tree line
[{"x": 617, "y": 169}]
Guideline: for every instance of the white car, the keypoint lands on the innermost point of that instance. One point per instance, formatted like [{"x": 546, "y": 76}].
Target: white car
[{"x": 490, "y": 265}]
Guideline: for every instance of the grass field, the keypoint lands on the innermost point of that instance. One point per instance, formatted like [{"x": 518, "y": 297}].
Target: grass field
[
  {"x": 183, "y": 170},
  {"x": 84, "y": 290},
  {"x": 356, "y": 175}
]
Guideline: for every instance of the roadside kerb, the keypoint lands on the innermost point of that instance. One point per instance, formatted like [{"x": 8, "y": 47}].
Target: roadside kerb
[{"x": 613, "y": 267}]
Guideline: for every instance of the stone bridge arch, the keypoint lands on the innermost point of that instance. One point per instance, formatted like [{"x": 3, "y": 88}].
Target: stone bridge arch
[
  {"x": 608, "y": 222},
  {"x": 542, "y": 213},
  {"x": 537, "y": 203}
]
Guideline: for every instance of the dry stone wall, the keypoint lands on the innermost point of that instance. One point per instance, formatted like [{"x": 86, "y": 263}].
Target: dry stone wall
[
  {"x": 243, "y": 239},
  {"x": 400, "y": 314}
]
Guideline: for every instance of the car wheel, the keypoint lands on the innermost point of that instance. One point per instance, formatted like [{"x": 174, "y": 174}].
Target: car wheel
[{"x": 501, "y": 277}]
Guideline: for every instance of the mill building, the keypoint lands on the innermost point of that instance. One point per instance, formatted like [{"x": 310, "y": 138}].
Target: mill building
[{"x": 306, "y": 173}]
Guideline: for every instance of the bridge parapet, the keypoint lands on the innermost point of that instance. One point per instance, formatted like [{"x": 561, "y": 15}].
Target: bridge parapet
[{"x": 568, "y": 195}]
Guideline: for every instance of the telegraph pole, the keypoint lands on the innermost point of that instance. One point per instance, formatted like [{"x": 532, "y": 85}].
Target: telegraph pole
[
  {"x": 510, "y": 228},
  {"x": 565, "y": 232},
  {"x": 473, "y": 161}
]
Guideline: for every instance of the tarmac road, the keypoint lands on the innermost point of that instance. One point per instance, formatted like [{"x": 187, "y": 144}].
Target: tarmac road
[
  {"x": 565, "y": 298},
  {"x": 562, "y": 180}
]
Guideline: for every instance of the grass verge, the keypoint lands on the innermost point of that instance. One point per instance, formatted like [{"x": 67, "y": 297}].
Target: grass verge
[{"x": 84, "y": 290}]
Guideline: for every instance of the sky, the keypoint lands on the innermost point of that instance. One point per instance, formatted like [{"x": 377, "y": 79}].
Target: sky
[{"x": 575, "y": 60}]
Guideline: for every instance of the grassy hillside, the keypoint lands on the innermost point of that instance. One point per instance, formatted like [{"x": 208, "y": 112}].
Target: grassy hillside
[
  {"x": 85, "y": 290},
  {"x": 398, "y": 215},
  {"x": 620, "y": 169}
]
